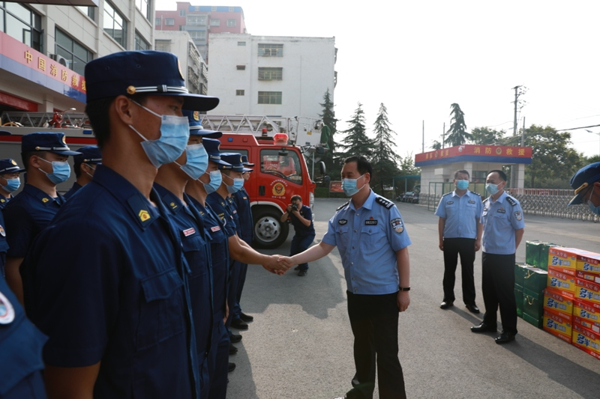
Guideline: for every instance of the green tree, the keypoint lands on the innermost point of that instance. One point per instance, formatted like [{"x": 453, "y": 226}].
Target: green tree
[
  {"x": 592, "y": 159},
  {"x": 487, "y": 136},
  {"x": 553, "y": 161},
  {"x": 356, "y": 141},
  {"x": 329, "y": 120},
  {"x": 385, "y": 160},
  {"x": 457, "y": 134},
  {"x": 436, "y": 145}
]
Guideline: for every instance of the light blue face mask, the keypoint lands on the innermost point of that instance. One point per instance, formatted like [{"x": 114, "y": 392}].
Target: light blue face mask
[
  {"x": 237, "y": 185},
  {"x": 491, "y": 188},
  {"x": 594, "y": 208},
  {"x": 197, "y": 161},
  {"x": 60, "y": 171},
  {"x": 174, "y": 136},
  {"x": 462, "y": 184},
  {"x": 215, "y": 181},
  {"x": 349, "y": 186},
  {"x": 12, "y": 184}
]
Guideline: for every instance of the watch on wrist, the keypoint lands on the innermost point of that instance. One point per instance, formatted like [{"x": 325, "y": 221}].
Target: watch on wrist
[{"x": 404, "y": 288}]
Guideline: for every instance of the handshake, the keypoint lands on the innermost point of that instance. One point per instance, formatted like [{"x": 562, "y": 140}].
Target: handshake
[{"x": 278, "y": 264}]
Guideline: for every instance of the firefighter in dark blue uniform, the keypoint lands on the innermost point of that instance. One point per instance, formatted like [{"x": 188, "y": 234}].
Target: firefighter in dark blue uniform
[
  {"x": 45, "y": 158},
  {"x": 84, "y": 166},
  {"x": 241, "y": 200},
  {"x": 112, "y": 285},
  {"x": 10, "y": 180}
]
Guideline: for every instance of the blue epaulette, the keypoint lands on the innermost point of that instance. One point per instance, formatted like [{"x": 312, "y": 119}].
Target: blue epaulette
[
  {"x": 384, "y": 202},
  {"x": 341, "y": 206},
  {"x": 511, "y": 200}
]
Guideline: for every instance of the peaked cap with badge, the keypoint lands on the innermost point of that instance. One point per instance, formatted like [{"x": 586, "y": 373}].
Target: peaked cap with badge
[
  {"x": 214, "y": 154},
  {"x": 46, "y": 141},
  {"x": 235, "y": 162},
  {"x": 196, "y": 128},
  {"x": 9, "y": 165},
  {"x": 90, "y": 154},
  {"x": 584, "y": 178}
]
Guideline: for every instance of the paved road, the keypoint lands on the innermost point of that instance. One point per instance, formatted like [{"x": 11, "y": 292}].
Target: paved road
[{"x": 300, "y": 344}]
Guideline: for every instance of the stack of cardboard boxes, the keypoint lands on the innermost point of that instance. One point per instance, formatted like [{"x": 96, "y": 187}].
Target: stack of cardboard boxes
[{"x": 586, "y": 309}]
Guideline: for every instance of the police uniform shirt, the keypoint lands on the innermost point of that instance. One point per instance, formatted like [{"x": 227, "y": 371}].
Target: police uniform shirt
[
  {"x": 21, "y": 346},
  {"x": 368, "y": 239},
  {"x": 196, "y": 250},
  {"x": 26, "y": 216},
  {"x": 232, "y": 209},
  {"x": 300, "y": 228},
  {"x": 219, "y": 250},
  {"x": 220, "y": 206},
  {"x": 111, "y": 287},
  {"x": 242, "y": 203},
  {"x": 76, "y": 187},
  {"x": 500, "y": 219},
  {"x": 461, "y": 214}
]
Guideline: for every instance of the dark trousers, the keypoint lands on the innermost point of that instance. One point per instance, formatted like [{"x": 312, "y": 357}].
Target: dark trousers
[
  {"x": 374, "y": 322},
  {"x": 300, "y": 243},
  {"x": 465, "y": 247},
  {"x": 498, "y": 286},
  {"x": 218, "y": 359},
  {"x": 243, "y": 270}
]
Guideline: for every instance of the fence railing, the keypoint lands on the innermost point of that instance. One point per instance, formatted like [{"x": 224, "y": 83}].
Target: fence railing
[{"x": 537, "y": 201}]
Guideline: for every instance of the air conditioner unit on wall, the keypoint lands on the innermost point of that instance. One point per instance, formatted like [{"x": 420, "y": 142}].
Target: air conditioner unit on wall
[{"x": 60, "y": 59}]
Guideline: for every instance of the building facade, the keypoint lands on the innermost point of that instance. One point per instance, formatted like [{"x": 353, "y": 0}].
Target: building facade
[
  {"x": 271, "y": 75},
  {"x": 201, "y": 22},
  {"x": 44, "y": 49},
  {"x": 192, "y": 64}
]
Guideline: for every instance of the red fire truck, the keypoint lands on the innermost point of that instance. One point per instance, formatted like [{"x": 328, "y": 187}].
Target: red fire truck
[{"x": 280, "y": 169}]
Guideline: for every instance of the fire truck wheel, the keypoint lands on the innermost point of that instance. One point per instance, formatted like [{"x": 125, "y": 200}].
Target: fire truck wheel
[{"x": 269, "y": 232}]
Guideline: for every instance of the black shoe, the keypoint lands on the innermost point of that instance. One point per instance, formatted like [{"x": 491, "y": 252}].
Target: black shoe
[
  {"x": 302, "y": 273},
  {"x": 235, "y": 338},
  {"x": 473, "y": 308},
  {"x": 246, "y": 317},
  {"x": 446, "y": 305},
  {"x": 230, "y": 367},
  {"x": 239, "y": 324},
  {"x": 483, "y": 327},
  {"x": 297, "y": 267},
  {"x": 232, "y": 349},
  {"x": 505, "y": 338}
]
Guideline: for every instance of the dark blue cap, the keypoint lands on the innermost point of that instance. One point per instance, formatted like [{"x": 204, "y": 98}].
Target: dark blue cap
[
  {"x": 584, "y": 178},
  {"x": 90, "y": 154},
  {"x": 9, "y": 165},
  {"x": 245, "y": 161},
  {"x": 196, "y": 128},
  {"x": 234, "y": 160},
  {"x": 154, "y": 73},
  {"x": 214, "y": 154},
  {"x": 46, "y": 141}
]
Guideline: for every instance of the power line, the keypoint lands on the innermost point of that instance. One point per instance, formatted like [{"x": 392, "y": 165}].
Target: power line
[{"x": 576, "y": 128}]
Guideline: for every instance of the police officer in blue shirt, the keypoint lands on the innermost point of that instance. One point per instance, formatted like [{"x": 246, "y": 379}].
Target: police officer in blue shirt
[
  {"x": 459, "y": 232},
  {"x": 241, "y": 201},
  {"x": 373, "y": 243},
  {"x": 45, "y": 158},
  {"x": 10, "y": 180},
  {"x": 503, "y": 229},
  {"x": 84, "y": 166},
  {"x": 586, "y": 183},
  {"x": 112, "y": 286},
  {"x": 300, "y": 216}
]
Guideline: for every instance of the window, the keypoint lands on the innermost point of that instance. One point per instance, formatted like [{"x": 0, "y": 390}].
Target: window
[
  {"x": 182, "y": 13},
  {"x": 270, "y": 50},
  {"x": 269, "y": 97},
  {"x": 144, "y": 7},
  {"x": 231, "y": 22},
  {"x": 197, "y": 34},
  {"x": 170, "y": 21},
  {"x": 115, "y": 24},
  {"x": 157, "y": 21},
  {"x": 162, "y": 45},
  {"x": 23, "y": 24},
  {"x": 241, "y": 43},
  {"x": 270, "y": 73},
  {"x": 196, "y": 20},
  {"x": 215, "y": 22},
  {"x": 89, "y": 11},
  {"x": 281, "y": 164},
  {"x": 240, "y": 92},
  {"x": 68, "y": 48},
  {"x": 140, "y": 42},
  {"x": 241, "y": 67}
]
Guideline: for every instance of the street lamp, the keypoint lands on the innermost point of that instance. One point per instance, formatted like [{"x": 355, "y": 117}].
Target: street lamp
[{"x": 598, "y": 133}]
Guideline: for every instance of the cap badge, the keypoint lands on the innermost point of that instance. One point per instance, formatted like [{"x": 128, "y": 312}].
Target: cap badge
[
  {"x": 131, "y": 90},
  {"x": 196, "y": 115}
]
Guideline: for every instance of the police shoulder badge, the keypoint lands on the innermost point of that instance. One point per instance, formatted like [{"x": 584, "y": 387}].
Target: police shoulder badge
[
  {"x": 7, "y": 311},
  {"x": 518, "y": 215},
  {"x": 2, "y": 232},
  {"x": 397, "y": 225}
]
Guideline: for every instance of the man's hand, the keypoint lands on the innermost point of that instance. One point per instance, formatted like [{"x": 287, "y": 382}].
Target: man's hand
[
  {"x": 275, "y": 266},
  {"x": 289, "y": 209},
  {"x": 287, "y": 261},
  {"x": 441, "y": 245},
  {"x": 403, "y": 300},
  {"x": 477, "y": 245}
]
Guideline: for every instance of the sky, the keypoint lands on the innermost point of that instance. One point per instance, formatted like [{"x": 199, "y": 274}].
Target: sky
[{"x": 419, "y": 57}]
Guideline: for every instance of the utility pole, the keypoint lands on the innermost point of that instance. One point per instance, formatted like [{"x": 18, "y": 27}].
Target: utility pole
[
  {"x": 444, "y": 135},
  {"x": 519, "y": 91},
  {"x": 423, "y": 145}
]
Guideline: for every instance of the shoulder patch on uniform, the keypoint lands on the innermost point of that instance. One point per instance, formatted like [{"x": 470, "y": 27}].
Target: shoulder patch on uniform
[
  {"x": 384, "y": 202},
  {"x": 511, "y": 201},
  {"x": 397, "y": 225},
  {"x": 342, "y": 206}
]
